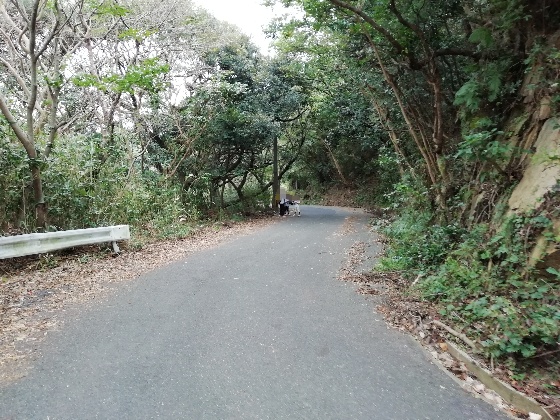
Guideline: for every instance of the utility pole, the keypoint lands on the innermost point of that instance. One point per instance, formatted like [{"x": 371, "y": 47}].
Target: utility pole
[{"x": 275, "y": 180}]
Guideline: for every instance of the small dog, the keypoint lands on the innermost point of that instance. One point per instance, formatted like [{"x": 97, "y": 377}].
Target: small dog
[{"x": 293, "y": 206}]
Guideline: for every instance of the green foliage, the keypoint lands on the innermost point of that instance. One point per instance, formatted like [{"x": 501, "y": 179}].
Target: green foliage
[
  {"x": 482, "y": 36},
  {"x": 84, "y": 193},
  {"x": 254, "y": 201},
  {"x": 47, "y": 261},
  {"x": 109, "y": 9},
  {"x": 148, "y": 76},
  {"x": 14, "y": 178},
  {"x": 199, "y": 195},
  {"x": 483, "y": 143},
  {"x": 416, "y": 244},
  {"x": 381, "y": 192},
  {"x": 136, "y": 34},
  {"x": 486, "y": 85},
  {"x": 468, "y": 96},
  {"x": 554, "y": 272},
  {"x": 408, "y": 195},
  {"x": 487, "y": 283}
]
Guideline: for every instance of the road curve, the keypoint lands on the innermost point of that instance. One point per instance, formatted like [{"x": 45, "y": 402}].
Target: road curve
[{"x": 257, "y": 328}]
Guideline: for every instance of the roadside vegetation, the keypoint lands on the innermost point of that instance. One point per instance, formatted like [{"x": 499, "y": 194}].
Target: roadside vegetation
[{"x": 441, "y": 116}]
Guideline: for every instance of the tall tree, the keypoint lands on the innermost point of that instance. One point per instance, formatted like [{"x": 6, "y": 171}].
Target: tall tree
[{"x": 35, "y": 38}]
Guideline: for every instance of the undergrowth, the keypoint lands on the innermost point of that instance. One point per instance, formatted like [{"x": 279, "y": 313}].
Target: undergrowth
[
  {"x": 483, "y": 281},
  {"x": 487, "y": 284},
  {"x": 416, "y": 245}
]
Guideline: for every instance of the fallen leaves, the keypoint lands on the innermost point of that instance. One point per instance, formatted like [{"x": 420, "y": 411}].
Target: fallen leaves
[
  {"x": 354, "y": 258},
  {"x": 368, "y": 290}
]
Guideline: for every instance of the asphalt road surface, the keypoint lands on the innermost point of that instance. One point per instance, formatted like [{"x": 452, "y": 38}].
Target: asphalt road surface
[{"x": 258, "y": 328}]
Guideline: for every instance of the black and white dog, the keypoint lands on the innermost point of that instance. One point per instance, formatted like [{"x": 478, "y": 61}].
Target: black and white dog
[{"x": 293, "y": 208}]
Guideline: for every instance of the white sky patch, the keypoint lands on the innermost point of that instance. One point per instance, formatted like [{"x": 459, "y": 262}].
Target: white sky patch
[{"x": 249, "y": 15}]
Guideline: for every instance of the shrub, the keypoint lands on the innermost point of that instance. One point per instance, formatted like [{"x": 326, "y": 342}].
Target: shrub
[
  {"x": 14, "y": 177},
  {"x": 487, "y": 286},
  {"x": 415, "y": 244}
]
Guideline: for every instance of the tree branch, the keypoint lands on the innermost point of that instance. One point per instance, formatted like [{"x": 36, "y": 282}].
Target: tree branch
[
  {"x": 292, "y": 119},
  {"x": 413, "y": 62},
  {"x": 17, "y": 76},
  {"x": 20, "y": 134}
]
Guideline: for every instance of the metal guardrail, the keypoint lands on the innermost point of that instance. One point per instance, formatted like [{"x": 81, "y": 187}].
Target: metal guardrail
[{"x": 39, "y": 243}]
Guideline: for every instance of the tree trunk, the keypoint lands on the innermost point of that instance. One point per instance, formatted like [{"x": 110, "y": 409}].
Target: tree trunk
[
  {"x": 393, "y": 136},
  {"x": 434, "y": 165},
  {"x": 336, "y": 163},
  {"x": 275, "y": 178},
  {"x": 40, "y": 205}
]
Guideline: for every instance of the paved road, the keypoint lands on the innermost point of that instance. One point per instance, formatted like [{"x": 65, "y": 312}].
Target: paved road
[{"x": 258, "y": 328}]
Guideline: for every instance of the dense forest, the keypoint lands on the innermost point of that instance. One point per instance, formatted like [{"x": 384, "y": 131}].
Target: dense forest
[{"x": 441, "y": 115}]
